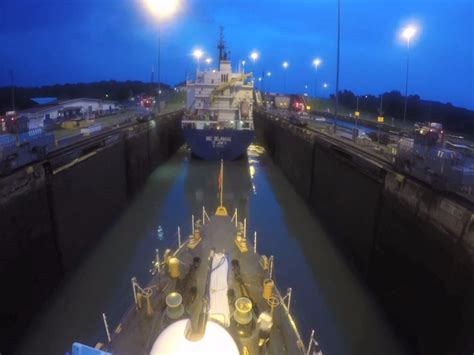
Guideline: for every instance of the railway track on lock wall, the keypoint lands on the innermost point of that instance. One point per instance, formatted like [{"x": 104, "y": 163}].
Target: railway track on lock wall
[
  {"x": 99, "y": 137},
  {"x": 82, "y": 146},
  {"x": 339, "y": 144},
  {"x": 347, "y": 147}
]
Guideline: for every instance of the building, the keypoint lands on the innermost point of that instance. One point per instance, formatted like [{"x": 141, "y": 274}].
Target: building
[
  {"x": 37, "y": 115},
  {"x": 90, "y": 106},
  {"x": 67, "y": 110}
]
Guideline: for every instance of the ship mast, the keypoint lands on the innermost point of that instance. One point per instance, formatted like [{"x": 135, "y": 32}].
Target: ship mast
[{"x": 221, "y": 45}]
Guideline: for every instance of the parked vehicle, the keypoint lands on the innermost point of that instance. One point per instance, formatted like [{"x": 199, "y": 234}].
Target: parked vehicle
[
  {"x": 282, "y": 102},
  {"x": 299, "y": 110}
]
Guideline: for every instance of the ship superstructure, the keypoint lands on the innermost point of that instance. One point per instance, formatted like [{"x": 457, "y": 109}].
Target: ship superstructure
[{"x": 219, "y": 123}]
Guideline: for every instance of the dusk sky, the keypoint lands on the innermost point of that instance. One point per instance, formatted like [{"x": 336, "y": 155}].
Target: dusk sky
[{"x": 66, "y": 41}]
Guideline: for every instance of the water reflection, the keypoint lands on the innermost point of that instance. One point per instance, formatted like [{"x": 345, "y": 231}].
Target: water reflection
[
  {"x": 327, "y": 296},
  {"x": 202, "y": 188}
]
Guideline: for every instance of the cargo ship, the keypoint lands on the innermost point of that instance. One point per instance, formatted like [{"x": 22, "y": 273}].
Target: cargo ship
[
  {"x": 211, "y": 293},
  {"x": 218, "y": 122}
]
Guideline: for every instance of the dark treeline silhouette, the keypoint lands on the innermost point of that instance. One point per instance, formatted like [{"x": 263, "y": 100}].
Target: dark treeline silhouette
[
  {"x": 111, "y": 90},
  {"x": 454, "y": 119}
]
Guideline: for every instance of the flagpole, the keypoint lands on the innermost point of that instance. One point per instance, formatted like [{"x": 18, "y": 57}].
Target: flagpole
[
  {"x": 221, "y": 210},
  {"x": 222, "y": 182}
]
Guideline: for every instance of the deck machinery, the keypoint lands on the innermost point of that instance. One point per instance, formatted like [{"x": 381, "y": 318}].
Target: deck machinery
[{"x": 212, "y": 294}]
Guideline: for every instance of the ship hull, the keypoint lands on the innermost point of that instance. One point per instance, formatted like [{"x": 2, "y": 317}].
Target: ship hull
[{"x": 214, "y": 144}]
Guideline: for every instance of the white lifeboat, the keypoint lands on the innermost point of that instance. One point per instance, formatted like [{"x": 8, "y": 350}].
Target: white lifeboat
[{"x": 172, "y": 341}]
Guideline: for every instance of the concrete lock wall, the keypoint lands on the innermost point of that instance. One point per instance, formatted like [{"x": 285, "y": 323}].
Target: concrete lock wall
[
  {"x": 29, "y": 259},
  {"x": 413, "y": 247},
  {"x": 86, "y": 199},
  {"x": 51, "y": 215}
]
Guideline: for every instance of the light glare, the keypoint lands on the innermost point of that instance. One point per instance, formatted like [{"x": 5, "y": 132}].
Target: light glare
[
  {"x": 285, "y": 65},
  {"x": 317, "y": 62},
  {"x": 198, "y": 53},
  {"x": 409, "y": 32},
  {"x": 162, "y": 8},
  {"x": 254, "y": 56}
]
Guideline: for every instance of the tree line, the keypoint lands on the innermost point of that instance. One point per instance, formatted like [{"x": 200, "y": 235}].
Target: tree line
[
  {"x": 106, "y": 90},
  {"x": 454, "y": 119}
]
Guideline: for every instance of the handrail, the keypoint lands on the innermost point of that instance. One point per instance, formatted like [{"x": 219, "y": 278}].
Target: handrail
[{"x": 313, "y": 342}]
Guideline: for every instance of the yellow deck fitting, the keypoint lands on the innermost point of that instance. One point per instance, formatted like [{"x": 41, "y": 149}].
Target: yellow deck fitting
[
  {"x": 241, "y": 243},
  {"x": 265, "y": 263},
  {"x": 221, "y": 211},
  {"x": 139, "y": 300},
  {"x": 268, "y": 288},
  {"x": 194, "y": 240},
  {"x": 174, "y": 305},
  {"x": 144, "y": 294},
  {"x": 173, "y": 267},
  {"x": 149, "y": 307},
  {"x": 197, "y": 230}
]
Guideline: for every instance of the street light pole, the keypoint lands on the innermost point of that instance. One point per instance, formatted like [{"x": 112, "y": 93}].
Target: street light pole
[
  {"x": 12, "y": 77},
  {"x": 317, "y": 62},
  {"x": 198, "y": 53},
  {"x": 254, "y": 56},
  {"x": 336, "y": 106},
  {"x": 407, "y": 34},
  {"x": 159, "y": 67},
  {"x": 315, "y": 83},
  {"x": 161, "y": 9},
  {"x": 406, "y": 82},
  {"x": 285, "y": 67}
]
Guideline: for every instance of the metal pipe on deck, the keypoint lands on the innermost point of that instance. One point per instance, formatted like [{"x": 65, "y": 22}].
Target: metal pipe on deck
[
  {"x": 106, "y": 327},
  {"x": 255, "y": 242}
]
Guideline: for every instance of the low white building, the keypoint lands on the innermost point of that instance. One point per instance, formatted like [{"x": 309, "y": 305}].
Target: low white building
[
  {"x": 68, "y": 109},
  {"x": 37, "y": 115},
  {"x": 90, "y": 106}
]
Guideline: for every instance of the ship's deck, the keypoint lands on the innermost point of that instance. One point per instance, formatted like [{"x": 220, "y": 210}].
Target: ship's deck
[{"x": 138, "y": 331}]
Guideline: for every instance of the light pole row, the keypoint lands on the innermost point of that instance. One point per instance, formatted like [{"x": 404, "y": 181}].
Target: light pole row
[{"x": 162, "y": 10}]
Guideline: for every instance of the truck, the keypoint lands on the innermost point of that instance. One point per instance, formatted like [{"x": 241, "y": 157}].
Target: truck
[
  {"x": 295, "y": 107},
  {"x": 299, "y": 110},
  {"x": 282, "y": 102}
]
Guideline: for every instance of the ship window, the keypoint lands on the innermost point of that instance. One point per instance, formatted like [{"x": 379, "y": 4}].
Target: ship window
[{"x": 224, "y": 78}]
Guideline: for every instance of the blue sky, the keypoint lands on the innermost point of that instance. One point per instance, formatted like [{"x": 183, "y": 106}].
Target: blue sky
[{"x": 59, "y": 41}]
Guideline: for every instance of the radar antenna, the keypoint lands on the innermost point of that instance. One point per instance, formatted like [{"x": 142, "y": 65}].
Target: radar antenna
[{"x": 223, "y": 54}]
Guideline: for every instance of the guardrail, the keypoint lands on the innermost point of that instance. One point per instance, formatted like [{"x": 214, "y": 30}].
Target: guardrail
[
  {"x": 25, "y": 148},
  {"x": 437, "y": 167}
]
